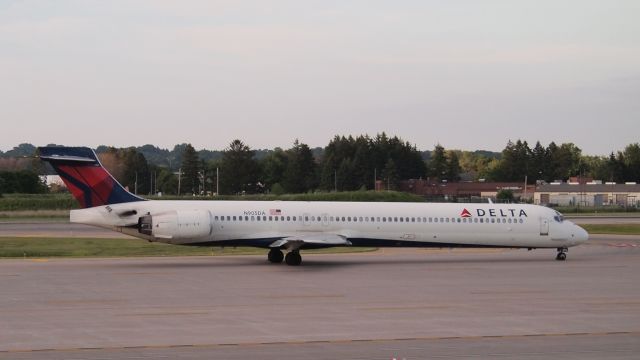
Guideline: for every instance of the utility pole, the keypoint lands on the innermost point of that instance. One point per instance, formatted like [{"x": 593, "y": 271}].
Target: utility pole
[
  {"x": 335, "y": 180},
  {"x": 375, "y": 178},
  {"x": 135, "y": 185},
  {"x": 218, "y": 181},
  {"x": 525, "y": 188},
  {"x": 179, "y": 179}
]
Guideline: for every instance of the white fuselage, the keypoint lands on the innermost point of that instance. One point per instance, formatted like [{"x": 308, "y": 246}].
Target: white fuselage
[{"x": 260, "y": 223}]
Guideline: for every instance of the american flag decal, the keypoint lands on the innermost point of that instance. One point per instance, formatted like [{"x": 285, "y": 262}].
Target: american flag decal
[{"x": 275, "y": 212}]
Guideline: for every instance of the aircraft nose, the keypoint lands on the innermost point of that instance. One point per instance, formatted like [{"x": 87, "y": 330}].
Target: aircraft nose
[{"x": 581, "y": 235}]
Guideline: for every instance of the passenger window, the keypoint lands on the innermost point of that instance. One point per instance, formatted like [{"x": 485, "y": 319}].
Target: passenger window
[
  {"x": 349, "y": 218},
  {"x": 401, "y": 220},
  {"x": 360, "y": 219},
  {"x": 436, "y": 220},
  {"x": 270, "y": 218},
  {"x": 424, "y": 219},
  {"x": 294, "y": 218},
  {"x": 384, "y": 219},
  {"x": 234, "y": 218},
  {"x": 215, "y": 218},
  {"x": 253, "y": 218},
  {"x": 343, "y": 219}
]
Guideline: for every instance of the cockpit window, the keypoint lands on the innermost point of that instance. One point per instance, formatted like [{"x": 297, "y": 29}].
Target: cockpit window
[{"x": 558, "y": 217}]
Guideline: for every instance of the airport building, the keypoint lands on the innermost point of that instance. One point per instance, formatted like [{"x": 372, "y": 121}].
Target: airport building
[
  {"x": 466, "y": 190},
  {"x": 592, "y": 193}
]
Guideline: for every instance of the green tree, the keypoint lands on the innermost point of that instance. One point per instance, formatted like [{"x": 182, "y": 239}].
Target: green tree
[
  {"x": 299, "y": 175},
  {"x": 191, "y": 167},
  {"x": 453, "y": 166},
  {"x": 22, "y": 182},
  {"x": 632, "y": 162},
  {"x": 438, "y": 164},
  {"x": 238, "y": 170},
  {"x": 505, "y": 195},
  {"x": 539, "y": 162},
  {"x": 273, "y": 167},
  {"x": 167, "y": 181}
]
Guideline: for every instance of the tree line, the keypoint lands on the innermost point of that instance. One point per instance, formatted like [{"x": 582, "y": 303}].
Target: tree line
[{"x": 347, "y": 163}]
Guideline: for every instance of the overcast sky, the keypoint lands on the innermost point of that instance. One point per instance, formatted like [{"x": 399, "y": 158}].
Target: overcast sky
[{"x": 466, "y": 74}]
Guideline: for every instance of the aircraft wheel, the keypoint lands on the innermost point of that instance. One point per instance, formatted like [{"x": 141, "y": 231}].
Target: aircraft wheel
[
  {"x": 275, "y": 256},
  {"x": 561, "y": 256},
  {"x": 293, "y": 258}
]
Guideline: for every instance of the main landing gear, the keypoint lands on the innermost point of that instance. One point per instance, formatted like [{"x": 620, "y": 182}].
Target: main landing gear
[
  {"x": 293, "y": 257},
  {"x": 562, "y": 254},
  {"x": 275, "y": 256}
]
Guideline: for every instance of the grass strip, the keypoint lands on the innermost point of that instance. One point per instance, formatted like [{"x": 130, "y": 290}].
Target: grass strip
[
  {"x": 613, "y": 229},
  {"x": 23, "y": 247}
]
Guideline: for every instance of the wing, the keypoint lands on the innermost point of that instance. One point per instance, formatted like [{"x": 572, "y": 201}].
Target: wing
[{"x": 311, "y": 240}]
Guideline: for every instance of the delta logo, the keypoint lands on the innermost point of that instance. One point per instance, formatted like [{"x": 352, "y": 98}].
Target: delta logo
[{"x": 494, "y": 213}]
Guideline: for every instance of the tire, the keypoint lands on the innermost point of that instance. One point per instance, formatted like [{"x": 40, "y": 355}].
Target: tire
[
  {"x": 275, "y": 256},
  {"x": 293, "y": 258}
]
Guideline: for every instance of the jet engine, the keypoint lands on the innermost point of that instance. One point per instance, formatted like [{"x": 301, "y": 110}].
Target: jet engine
[{"x": 177, "y": 225}]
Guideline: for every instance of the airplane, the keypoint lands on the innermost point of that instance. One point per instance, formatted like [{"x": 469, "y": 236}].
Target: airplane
[{"x": 292, "y": 226}]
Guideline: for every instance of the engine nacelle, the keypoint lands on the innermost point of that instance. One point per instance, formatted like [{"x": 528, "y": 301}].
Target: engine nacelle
[{"x": 177, "y": 225}]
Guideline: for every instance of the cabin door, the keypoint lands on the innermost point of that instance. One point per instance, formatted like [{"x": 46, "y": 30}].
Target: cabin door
[{"x": 544, "y": 226}]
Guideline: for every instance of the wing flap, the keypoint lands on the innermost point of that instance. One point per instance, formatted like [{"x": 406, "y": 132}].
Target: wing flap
[{"x": 323, "y": 239}]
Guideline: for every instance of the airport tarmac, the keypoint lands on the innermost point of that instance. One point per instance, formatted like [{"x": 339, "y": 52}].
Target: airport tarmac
[{"x": 392, "y": 303}]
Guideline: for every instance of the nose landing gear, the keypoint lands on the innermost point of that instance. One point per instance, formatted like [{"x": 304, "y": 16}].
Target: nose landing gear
[{"x": 562, "y": 254}]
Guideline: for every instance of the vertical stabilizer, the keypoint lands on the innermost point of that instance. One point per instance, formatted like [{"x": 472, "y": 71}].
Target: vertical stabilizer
[{"x": 86, "y": 178}]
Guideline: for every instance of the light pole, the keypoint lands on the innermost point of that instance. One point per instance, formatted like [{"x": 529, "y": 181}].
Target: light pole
[{"x": 179, "y": 179}]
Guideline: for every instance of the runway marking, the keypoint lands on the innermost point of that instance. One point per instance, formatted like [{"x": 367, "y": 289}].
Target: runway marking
[
  {"x": 85, "y": 302},
  {"x": 335, "y": 341},
  {"x": 168, "y": 313},
  {"x": 407, "y": 308},
  {"x": 319, "y": 296},
  {"x": 504, "y": 292}
]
